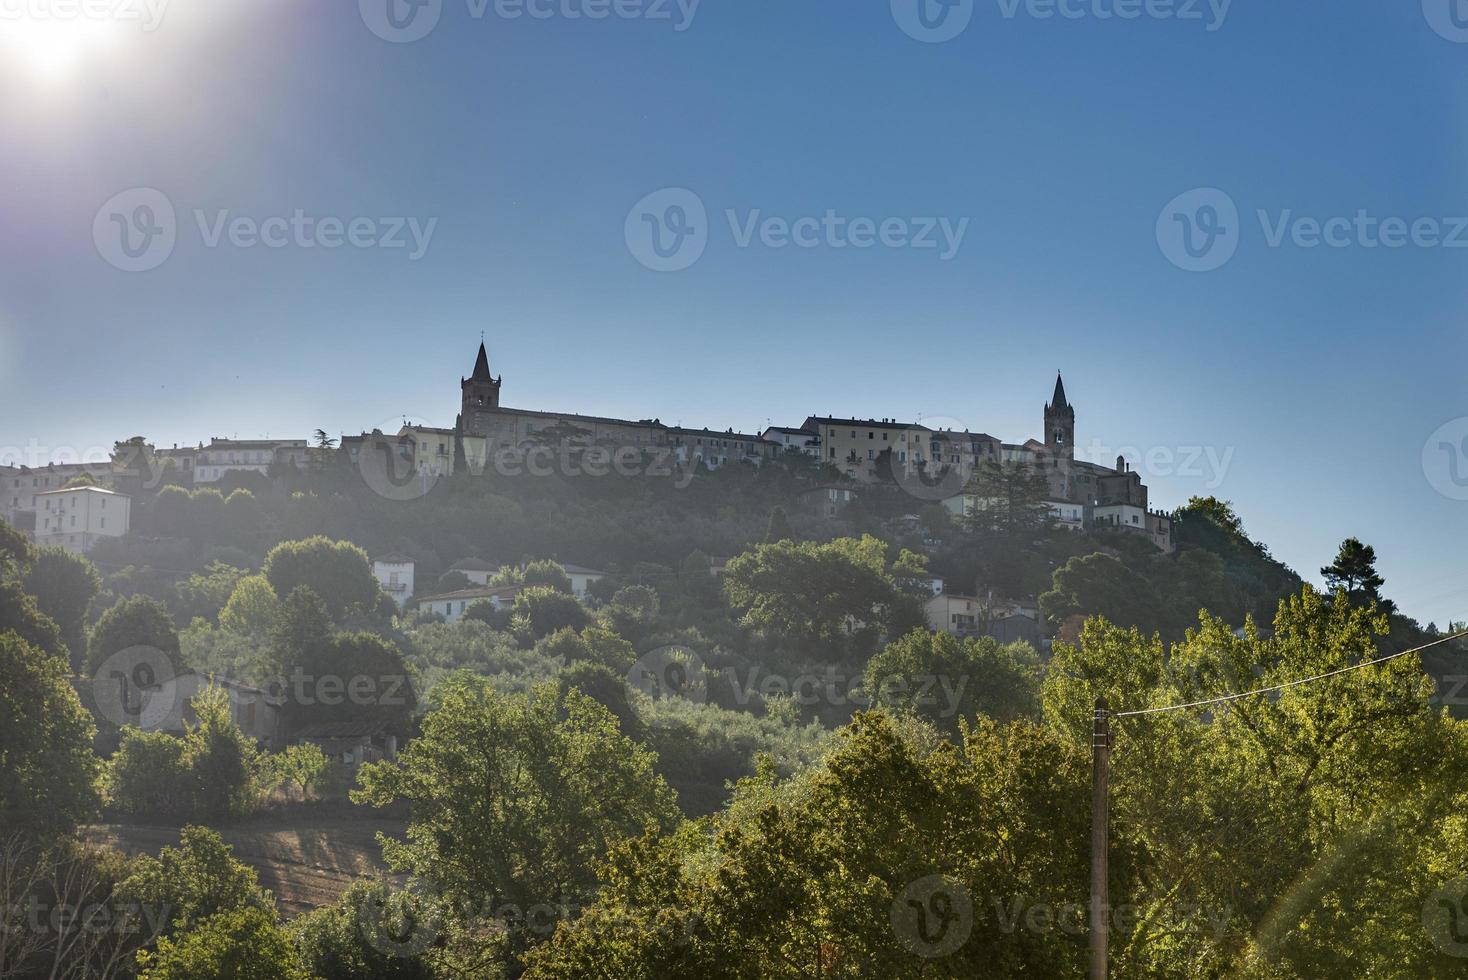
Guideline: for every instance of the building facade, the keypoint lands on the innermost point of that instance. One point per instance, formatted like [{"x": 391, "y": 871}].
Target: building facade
[{"x": 76, "y": 519}]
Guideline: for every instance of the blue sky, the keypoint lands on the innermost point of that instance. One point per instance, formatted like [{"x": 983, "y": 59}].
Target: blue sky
[{"x": 1318, "y": 373}]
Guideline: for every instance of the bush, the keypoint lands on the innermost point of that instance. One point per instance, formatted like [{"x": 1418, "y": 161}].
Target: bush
[
  {"x": 336, "y": 942},
  {"x": 301, "y": 765},
  {"x": 243, "y": 945},
  {"x": 541, "y": 610},
  {"x": 149, "y": 777},
  {"x": 214, "y": 772}
]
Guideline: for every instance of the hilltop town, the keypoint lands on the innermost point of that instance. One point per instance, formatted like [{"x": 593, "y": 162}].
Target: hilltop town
[{"x": 932, "y": 464}]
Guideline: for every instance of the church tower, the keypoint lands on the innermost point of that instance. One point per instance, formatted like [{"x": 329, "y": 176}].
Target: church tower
[
  {"x": 1060, "y": 423},
  {"x": 480, "y": 392}
]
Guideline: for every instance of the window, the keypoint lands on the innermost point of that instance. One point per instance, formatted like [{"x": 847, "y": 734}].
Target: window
[
  {"x": 104, "y": 523},
  {"x": 871, "y": 454}
]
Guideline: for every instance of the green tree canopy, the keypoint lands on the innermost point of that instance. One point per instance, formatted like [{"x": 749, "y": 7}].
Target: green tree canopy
[
  {"x": 1354, "y": 571},
  {"x": 139, "y": 621},
  {"x": 942, "y": 678},
  {"x": 337, "y": 571},
  {"x": 48, "y": 774},
  {"x": 64, "y": 585},
  {"x": 513, "y": 798}
]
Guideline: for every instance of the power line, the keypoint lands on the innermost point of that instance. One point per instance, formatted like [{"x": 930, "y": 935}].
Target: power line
[{"x": 1289, "y": 684}]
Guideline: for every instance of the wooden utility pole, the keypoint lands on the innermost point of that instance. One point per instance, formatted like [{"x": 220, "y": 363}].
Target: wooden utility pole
[{"x": 1100, "y": 839}]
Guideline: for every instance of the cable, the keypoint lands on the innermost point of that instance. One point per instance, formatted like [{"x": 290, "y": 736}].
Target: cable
[{"x": 1296, "y": 683}]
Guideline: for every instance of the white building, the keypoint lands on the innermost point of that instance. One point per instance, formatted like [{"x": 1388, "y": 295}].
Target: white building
[
  {"x": 395, "y": 574},
  {"x": 224, "y": 456},
  {"x": 78, "y": 518},
  {"x": 20, "y": 486},
  {"x": 476, "y": 570},
  {"x": 451, "y": 605},
  {"x": 581, "y": 579},
  {"x": 1067, "y": 514},
  {"x": 805, "y": 441}
]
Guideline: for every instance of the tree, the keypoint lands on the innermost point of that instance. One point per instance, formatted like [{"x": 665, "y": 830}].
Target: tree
[
  {"x": 205, "y": 594},
  {"x": 253, "y": 608},
  {"x": 605, "y": 686},
  {"x": 193, "y": 881},
  {"x": 1316, "y": 822},
  {"x": 323, "y": 441},
  {"x": 632, "y": 613},
  {"x": 140, "y": 621},
  {"x": 486, "y": 612},
  {"x": 544, "y": 573},
  {"x": 223, "y": 762},
  {"x": 1100, "y": 585},
  {"x": 1010, "y": 500},
  {"x": 349, "y": 677},
  {"x": 214, "y": 772},
  {"x": 942, "y": 678},
  {"x": 148, "y": 777},
  {"x": 302, "y": 630},
  {"x": 19, "y": 614},
  {"x": 338, "y": 571},
  {"x": 336, "y": 940},
  {"x": 303, "y": 765},
  {"x": 813, "y": 594},
  {"x": 512, "y": 798},
  {"x": 48, "y": 774},
  {"x": 541, "y": 610},
  {"x": 1354, "y": 571},
  {"x": 452, "y": 581},
  {"x": 64, "y": 585},
  {"x": 169, "y": 512},
  {"x": 889, "y": 858},
  {"x": 241, "y": 945}
]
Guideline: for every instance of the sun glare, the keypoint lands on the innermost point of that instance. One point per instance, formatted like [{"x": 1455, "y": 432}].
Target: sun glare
[{"x": 53, "y": 48}]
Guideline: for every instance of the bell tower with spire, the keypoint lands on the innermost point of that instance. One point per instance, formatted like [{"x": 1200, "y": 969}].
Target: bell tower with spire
[
  {"x": 480, "y": 392},
  {"x": 1060, "y": 423}
]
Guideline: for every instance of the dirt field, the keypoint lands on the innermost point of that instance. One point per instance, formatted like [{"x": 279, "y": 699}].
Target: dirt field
[{"x": 306, "y": 854}]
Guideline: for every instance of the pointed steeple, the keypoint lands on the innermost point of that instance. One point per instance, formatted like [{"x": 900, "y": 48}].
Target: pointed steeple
[
  {"x": 1058, "y": 399},
  {"x": 481, "y": 365}
]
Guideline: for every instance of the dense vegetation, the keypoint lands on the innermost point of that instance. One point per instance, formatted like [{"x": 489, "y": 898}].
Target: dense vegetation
[{"x": 776, "y": 772}]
